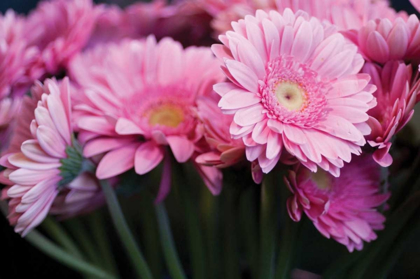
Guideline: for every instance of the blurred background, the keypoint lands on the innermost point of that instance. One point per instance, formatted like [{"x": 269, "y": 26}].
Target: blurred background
[{"x": 21, "y": 259}]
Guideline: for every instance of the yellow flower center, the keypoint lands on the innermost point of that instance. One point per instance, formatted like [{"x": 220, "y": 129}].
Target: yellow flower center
[
  {"x": 291, "y": 96},
  {"x": 322, "y": 180},
  {"x": 166, "y": 115}
]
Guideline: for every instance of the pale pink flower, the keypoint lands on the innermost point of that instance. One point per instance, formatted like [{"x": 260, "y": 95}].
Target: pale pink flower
[
  {"x": 60, "y": 29},
  {"x": 141, "y": 98},
  {"x": 345, "y": 14},
  {"x": 396, "y": 99},
  {"x": 294, "y": 86},
  {"x": 344, "y": 208},
  {"x": 382, "y": 40},
  {"x": 49, "y": 161}
]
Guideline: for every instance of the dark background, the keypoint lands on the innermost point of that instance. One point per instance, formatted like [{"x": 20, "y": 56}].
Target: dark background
[{"x": 20, "y": 259}]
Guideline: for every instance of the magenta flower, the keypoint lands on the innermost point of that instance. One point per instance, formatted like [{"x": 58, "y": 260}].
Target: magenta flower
[
  {"x": 396, "y": 99},
  {"x": 8, "y": 109},
  {"x": 294, "y": 87},
  {"x": 60, "y": 29},
  {"x": 382, "y": 40},
  {"x": 140, "y": 98},
  {"x": 49, "y": 160},
  {"x": 341, "y": 208},
  {"x": 224, "y": 151}
]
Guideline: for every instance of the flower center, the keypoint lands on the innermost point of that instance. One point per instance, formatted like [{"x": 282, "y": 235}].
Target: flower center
[
  {"x": 322, "y": 180},
  {"x": 166, "y": 115},
  {"x": 292, "y": 93},
  {"x": 291, "y": 96}
]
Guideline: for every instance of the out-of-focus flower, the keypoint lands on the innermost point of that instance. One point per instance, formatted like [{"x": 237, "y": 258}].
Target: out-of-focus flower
[
  {"x": 16, "y": 71},
  {"x": 49, "y": 160},
  {"x": 416, "y": 4},
  {"x": 396, "y": 99},
  {"x": 341, "y": 208},
  {"x": 14, "y": 54},
  {"x": 8, "y": 109},
  {"x": 140, "y": 98},
  {"x": 111, "y": 26},
  {"x": 184, "y": 21},
  {"x": 345, "y": 14},
  {"x": 60, "y": 29},
  {"x": 382, "y": 40},
  {"x": 295, "y": 86}
]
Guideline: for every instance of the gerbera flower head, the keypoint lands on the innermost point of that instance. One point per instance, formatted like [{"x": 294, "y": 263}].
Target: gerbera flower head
[
  {"x": 341, "y": 208},
  {"x": 396, "y": 99},
  {"x": 382, "y": 40},
  {"x": 49, "y": 160},
  {"x": 60, "y": 29},
  {"x": 345, "y": 14},
  {"x": 141, "y": 97},
  {"x": 295, "y": 86},
  {"x": 16, "y": 58}
]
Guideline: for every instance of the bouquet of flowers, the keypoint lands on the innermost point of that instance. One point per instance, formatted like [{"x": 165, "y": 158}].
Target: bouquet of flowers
[{"x": 212, "y": 138}]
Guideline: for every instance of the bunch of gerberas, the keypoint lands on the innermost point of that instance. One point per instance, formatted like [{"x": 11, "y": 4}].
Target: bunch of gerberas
[{"x": 315, "y": 88}]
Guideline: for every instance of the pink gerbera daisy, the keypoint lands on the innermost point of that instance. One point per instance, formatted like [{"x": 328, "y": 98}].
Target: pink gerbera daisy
[
  {"x": 294, "y": 87},
  {"x": 341, "y": 208},
  {"x": 141, "y": 98},
  {"x": 49, "y": 161},
  {"x": 396, "y": 99},
  {"x": 345, "y": 14},
  {"x": 382, "y": 40},
  {"x": 60, "y": 29}
]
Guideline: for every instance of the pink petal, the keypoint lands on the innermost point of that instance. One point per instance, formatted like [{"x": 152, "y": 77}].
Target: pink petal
[
  {"x": 165, "y": 182},
  {"x": 238, "y": 98},
  {"x": 127, "y": 127},
  {"x": 181, "y": 147},
  {"x": 102, "y": 145},
  {"x": 243, "y": 75},
  {"x": 117, "y": 161},
  {"x": 50, "y": 142},
  {"x": 148, "y": 156}
]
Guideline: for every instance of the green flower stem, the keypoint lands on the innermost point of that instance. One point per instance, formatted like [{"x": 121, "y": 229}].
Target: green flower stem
[
  {"x": 268, "y": 228},
  {"x": 287, "y": 247},
  {"x": 395, "y": 226},
  {"x": 249, "y": 221},
  {"x": 83, "y": 238},
  {"x": 210, "y": 216},
  {"x": 52, "y": 250},
  {"x": 126, "y": 237},
  {"x": 231, "y": 261},
  {"x": 289, "y": 234},
  {"x": 195, "y": 236},
  {"x": 169, "y": 250},
  {"x": 97, "y": 227},
  {"x": 150, "y": 234},
  {"x": 61, "y": 236}
]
